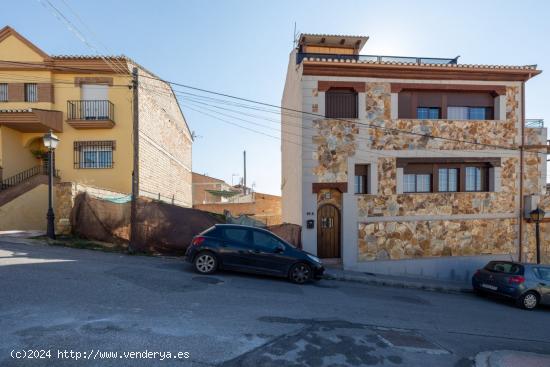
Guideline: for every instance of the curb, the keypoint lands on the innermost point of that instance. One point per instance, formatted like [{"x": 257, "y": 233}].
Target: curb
[{"x": 397, "y": 283}]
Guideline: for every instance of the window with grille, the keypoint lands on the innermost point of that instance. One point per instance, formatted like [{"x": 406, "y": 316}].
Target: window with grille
[
  {"x": 3, "y": 92},
  {"x": 341, "y": 103},
  {"x": 94, "y": 154},
  {"x": 31, "y": 92}
]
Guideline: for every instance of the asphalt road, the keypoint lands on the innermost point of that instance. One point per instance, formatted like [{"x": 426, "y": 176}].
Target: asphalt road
[{"x": 93, "y": 303}]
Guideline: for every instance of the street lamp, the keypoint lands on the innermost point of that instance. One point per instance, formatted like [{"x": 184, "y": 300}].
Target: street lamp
[
  {"x": 536, "y": 216},
  {"x": 50, "y": 142}
]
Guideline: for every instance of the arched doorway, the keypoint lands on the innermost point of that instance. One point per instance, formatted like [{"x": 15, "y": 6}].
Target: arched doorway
[{"x": 328, "y": 231}]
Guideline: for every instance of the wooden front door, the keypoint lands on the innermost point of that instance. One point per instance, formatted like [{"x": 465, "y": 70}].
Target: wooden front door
[{"x": 328, "y": 231}]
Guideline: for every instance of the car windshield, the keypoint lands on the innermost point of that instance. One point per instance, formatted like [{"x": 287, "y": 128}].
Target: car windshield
[
  {"x": 543, "y": 273},
  {"x": 504, "y": 267}
]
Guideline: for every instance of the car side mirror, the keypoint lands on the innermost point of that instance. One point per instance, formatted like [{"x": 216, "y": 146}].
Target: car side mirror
[{"x": 279, "y": 249}]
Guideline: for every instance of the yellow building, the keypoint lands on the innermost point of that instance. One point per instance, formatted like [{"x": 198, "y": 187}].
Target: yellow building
[{"x": 88, "y": 102}]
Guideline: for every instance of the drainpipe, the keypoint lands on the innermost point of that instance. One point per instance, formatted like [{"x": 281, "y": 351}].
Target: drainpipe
[{"x": 521, "y": 203}]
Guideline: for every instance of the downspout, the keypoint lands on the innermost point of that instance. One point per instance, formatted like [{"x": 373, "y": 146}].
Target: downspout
[{"x": 521, "y": 210}]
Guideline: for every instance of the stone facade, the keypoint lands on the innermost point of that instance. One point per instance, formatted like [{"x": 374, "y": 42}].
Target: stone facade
[
  {"x": 416, "y": 239},
  {"x": 335, "y": 142},
  {"x": 487, "y": 222}
]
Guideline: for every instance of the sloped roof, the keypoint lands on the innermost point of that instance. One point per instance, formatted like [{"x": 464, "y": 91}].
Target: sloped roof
[{"x": 9, "y": 31}]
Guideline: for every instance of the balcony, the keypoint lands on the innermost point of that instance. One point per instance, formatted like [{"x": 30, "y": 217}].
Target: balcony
[
  {"x": 91, "y": 114},
  {"x": 376, "y": 58}
]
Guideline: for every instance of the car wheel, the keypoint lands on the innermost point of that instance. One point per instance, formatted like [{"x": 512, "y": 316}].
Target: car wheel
[
  {"x": 300, "y": 273},
  {"x": 528, "y": 301},
  {"x": 206, "y": 263}
]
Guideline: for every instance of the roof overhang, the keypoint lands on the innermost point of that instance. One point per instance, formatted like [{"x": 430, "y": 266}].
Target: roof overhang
[
  {"x": 414, "y": 71},
  {"x": 32, "y": 120},
  {"x": 356, "y": 42}
]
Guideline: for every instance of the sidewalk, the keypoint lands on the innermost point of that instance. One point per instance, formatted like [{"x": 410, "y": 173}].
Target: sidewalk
[
  {"x": 428, "y": 284},
  {"x": 511, "y": 358}
]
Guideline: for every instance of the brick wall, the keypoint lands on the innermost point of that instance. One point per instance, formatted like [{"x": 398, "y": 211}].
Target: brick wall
[
  {"x": 266, "y": 208},
  {"x": 164, "y": 144}
]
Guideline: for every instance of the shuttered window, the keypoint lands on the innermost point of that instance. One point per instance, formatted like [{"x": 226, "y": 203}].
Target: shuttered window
[
  {"x": 3, "y": 92},
  {"x": 31, "y": 92},
  {"x": 341, "y": 103},
  {"x": 361, "y": 178}
]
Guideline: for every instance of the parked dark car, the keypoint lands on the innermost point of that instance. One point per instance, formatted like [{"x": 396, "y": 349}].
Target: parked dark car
[
  {"x": 250, "y": 249},
  {"x": 527, "y": 284}
]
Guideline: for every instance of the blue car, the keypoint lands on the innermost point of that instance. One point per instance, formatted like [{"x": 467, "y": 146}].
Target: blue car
[
  {"x": 527, "y": 284},
  {"x": 253, "y": 250}
]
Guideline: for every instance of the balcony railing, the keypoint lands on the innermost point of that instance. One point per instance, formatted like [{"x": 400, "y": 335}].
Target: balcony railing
[
  {"x": 90, "y": 110},
  {"x": 534, "y": 123},
  {"x": 377, "y": 58}
]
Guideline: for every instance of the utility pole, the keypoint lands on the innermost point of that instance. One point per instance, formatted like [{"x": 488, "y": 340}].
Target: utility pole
[
  {"x": 244, "y": 177},
  {"x": 135, "y": 171}
]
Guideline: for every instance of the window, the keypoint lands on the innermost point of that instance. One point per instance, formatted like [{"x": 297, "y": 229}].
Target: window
[
  {"x": 447, "y": 174},
  {"x": 428, "y": 113},
  {"x": 236, "y": 234},
  {"x": 93, "y": 154},
  {"x": 31, "y": 92},
  {"x": 361, "y": 178},
  {"x": 417, "y": 182},
  {"x": 543, "y": 273},
  {"x": 473, "y": 179},
  {"x": 3, "y": 92},
  {"x": 341, "y": 103},
  {"x": 448, "y": 179},
  {"x": 469, "y": 113},
  {"x": 265, "y": 241},
  {"x": 504, "y": 267}
]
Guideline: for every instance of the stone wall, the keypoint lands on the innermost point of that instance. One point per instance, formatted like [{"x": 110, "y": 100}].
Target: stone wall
[
  {"x": 164, "y": 144},
  {"x": 416, "y": 239}
]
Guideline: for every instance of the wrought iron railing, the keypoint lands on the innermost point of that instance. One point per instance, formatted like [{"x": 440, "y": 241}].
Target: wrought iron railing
[
  {"x": 90, "y": 110},
  {"x": 25, "y": 175},
  {"x": 377, "y": 58},
  {"x": 534, "y": 123}
]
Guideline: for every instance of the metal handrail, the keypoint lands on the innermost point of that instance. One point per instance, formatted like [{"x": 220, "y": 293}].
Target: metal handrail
[
  {"x": 534, "y": 123},
  {"x": 90, "y": 110},
  {"x": 378, "y": 58},
  {"x": 25, "y": 175}
]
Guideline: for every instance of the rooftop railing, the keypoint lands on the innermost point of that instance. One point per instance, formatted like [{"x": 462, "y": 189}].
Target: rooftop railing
[
  {"x": 377, "y": 58},
  {"x": 534, "y": 123}
]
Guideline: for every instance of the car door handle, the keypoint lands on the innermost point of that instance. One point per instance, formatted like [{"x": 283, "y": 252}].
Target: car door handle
[
  {"x": 253, "y": 251},
  {"x": 543, "y": 284}
]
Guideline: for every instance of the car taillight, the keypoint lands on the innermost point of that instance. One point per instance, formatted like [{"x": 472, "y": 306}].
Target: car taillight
[
  {"x": 197, "y": 241},
  {"x": 478, "y": 271},
  {"x": 516, "y": 279}
]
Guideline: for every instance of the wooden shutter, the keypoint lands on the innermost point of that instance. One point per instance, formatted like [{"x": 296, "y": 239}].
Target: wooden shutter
[
  {"x": 16, "y": 92},
  {"x": 341, "y": 103},
  {"x": 45, "y": 92}
]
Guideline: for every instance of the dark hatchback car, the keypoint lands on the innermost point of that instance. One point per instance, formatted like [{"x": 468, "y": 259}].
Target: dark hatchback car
[
  {"x": 250, "y": 249},
  {"x": 527, "y": 284}
]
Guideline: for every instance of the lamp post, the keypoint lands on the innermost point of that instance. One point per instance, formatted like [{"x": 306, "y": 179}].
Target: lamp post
[
  {"x": 50, "y": 142},
  {"x": 537, "y": 215}
]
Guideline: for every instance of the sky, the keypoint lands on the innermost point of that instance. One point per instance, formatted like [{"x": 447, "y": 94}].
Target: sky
[{"x": 241, "y": 48}]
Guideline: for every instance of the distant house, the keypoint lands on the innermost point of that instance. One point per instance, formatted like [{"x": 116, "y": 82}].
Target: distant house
[
  {"x": 87, "y": 102},
  {"x": 216, "y": 196}
]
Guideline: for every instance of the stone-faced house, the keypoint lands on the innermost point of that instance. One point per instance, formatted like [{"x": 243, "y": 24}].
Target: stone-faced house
[{"x": 407, "y": 165}]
